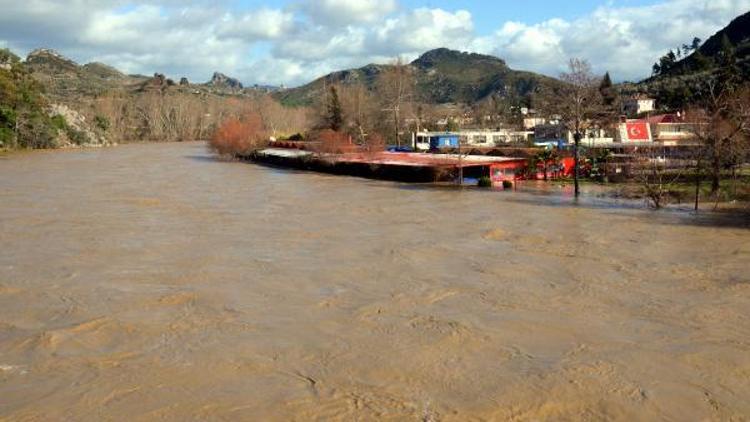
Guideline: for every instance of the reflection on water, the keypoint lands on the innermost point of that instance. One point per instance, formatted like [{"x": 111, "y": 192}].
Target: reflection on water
[{"x": 152, "y": 281}]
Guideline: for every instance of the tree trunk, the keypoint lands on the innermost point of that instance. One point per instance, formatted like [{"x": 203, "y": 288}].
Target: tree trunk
[
  {"x": 396, "y": 119},
  {"x": 715, "y": 175},
  {"x": 576, "y": 159},
  {"x": 697, "y": 186}
]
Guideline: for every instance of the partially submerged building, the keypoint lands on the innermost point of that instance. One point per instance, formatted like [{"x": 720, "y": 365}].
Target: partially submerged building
[{"x": 399, "y": 166}]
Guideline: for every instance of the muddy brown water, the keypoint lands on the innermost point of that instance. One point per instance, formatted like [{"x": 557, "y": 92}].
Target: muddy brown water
[{"x": 151, "y": 282}]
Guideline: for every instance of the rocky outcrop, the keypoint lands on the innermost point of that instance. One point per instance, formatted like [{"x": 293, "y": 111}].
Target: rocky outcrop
[
  {"x": 220, "y": 80},
  {"x": 51, "y": 59},
  {"x": 76, "y": 130}
]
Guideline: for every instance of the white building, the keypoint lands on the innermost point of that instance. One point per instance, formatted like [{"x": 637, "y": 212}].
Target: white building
[
  {"x": 492, "y": 138},
  {"x": 675, "y": 133},
  {"x": 529, "y": 123},
  {"x": 639, "y": 104},
  {"x": 556, "y": 134},
  {"x": 475, "y": 138}
]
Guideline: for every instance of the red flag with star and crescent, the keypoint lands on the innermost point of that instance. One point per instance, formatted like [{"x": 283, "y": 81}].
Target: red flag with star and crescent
[{"x": 637, "y": 131}]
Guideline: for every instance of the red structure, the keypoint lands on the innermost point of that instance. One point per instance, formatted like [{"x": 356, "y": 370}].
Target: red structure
[
  {"x": 510, "y": 170},
  {"x": 517, "y": 169}
]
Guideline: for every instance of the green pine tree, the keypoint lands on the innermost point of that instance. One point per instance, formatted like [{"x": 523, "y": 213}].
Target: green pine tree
[
  {"x": 606, "y": 88},
  {"x": 334, "y": 115},
  {"x": 700, "y": 61}
]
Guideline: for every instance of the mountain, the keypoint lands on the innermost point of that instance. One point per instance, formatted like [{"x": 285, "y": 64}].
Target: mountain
[
  {"x": 59, "y": 102},
  {"x": 442, "y": 76},
  {"x": 62, "y": 77},
  {"x": 65, "y": 80}
]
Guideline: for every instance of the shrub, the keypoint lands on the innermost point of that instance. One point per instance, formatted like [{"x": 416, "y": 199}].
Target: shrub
[
  {"x": 6, "y": 137},
  {"x": 239, "y": 136},
  {"x": 101, "y": 122},
  {"x": 333, "y": 142},
  {"x": 507, "y": 184},
  {"x": 374, "y": 144},
  {"x": 58, "y": 122},
  {"x": 76, "y": 136},
  {"x": 484, "y": 182}
]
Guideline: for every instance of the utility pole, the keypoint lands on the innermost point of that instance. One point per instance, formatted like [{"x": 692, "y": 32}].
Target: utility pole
[
  {"x": 460, "y": 164},
  {"x": 396, "y": 124},
  {"x": 576, "y": 154},
  {"x": 419, "y": 123},
  {"x": 394, "y": 109},
  {"x": 460, "y": 158}
]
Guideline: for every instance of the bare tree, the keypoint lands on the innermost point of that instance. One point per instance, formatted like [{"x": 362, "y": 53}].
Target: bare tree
[
  {"x": 720, "y": 123},
  {"x": 281, "y": 120},
  {"x": 395, "y": 85},
  {"x": 578, "y": 103},
  {"x": 181, "y": 116},
  {"x": 656, "y": 173},
  {"x": 360, "y": 112}
]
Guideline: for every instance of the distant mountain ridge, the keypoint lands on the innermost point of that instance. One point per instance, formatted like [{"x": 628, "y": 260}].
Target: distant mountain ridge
[
  {"x": 64, "y": 77},
  {"x": 442, "y": 75}
]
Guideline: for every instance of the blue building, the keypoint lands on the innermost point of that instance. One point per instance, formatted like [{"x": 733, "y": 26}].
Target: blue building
[{"x": 443, "y": 140}]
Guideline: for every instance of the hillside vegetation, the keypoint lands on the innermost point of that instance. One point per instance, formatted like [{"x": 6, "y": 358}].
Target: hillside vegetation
[
  {"x": 50, "y": 101},
  {"x": 680, "y": 79},
  {"x": 24, "y": 121},
  {"x": 442, "y": 76}
]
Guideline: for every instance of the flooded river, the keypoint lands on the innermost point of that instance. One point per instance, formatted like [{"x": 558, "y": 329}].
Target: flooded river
[{"x": 151, "y": 282}]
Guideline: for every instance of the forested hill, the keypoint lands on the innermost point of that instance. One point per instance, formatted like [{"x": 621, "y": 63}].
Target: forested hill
[
  {"x": 709, "y": 55},
  {"x": 680, "y": 77},
  {"x": 442, "y": 76}
]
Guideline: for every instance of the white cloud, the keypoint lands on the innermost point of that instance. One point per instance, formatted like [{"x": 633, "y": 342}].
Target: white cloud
[
  {"x": 625, "y": 41},
  {"x": 423, "y": 29},
  {"x": 347, "y": 12},
  {"x": 256, "y": 25},
  {"x": 297, "y": 43}
]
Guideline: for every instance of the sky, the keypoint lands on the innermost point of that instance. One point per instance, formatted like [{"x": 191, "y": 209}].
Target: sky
[{"x": 292, "y": 42}]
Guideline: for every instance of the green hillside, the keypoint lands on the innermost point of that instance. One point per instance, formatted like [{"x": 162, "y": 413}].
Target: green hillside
[
  {"x": 443, "y": 76},
  {"x": 682, "y": 81}
]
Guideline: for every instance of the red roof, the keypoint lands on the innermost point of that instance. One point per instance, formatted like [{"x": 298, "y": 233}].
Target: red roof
[{"x": 664, "y": 118}]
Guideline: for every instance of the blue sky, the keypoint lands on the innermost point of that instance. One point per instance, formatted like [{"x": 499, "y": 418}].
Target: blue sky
[
  {"x": 488, "y": 14},
  {"x": 295, "y": 41}
]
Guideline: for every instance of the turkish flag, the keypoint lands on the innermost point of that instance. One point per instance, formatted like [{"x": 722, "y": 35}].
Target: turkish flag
[{"x": 637, "y": 131}]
